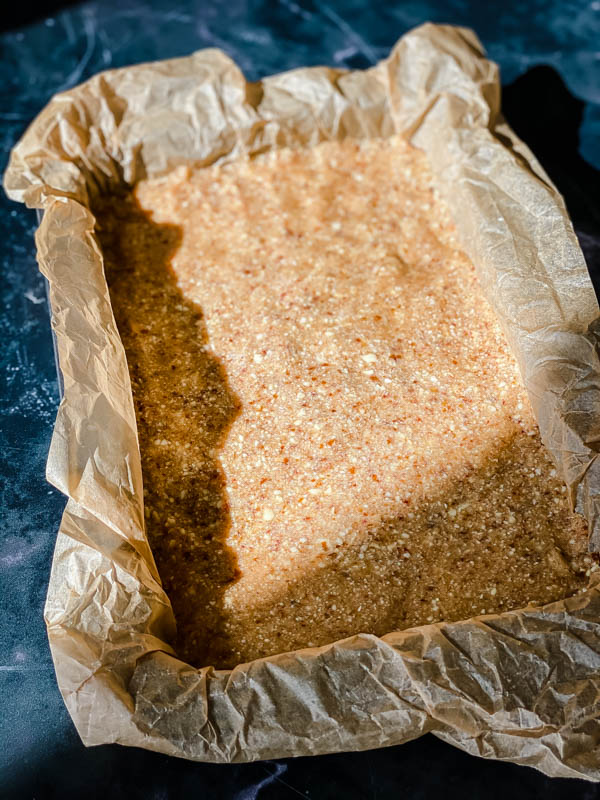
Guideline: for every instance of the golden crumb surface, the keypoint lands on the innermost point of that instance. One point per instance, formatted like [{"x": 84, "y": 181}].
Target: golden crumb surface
[{"x": 334, "y": 434}]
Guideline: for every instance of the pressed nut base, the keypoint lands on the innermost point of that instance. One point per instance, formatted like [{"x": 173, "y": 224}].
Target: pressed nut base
[{"x": 334, "y": 434}]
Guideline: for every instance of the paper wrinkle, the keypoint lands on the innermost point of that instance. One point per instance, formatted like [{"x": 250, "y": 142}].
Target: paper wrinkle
[{"x": 521, "y": 686}]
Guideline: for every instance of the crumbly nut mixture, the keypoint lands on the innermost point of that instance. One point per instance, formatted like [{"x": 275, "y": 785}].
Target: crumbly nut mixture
[{"x": 334, "y": 434}]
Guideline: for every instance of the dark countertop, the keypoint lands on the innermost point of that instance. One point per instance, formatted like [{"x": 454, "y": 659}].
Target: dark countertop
[{"x": 549, "y": 52}]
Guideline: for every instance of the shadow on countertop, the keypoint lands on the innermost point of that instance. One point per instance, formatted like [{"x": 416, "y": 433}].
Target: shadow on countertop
[
  {"x": 122, "y": 773},
  {"x": 17, "y": 15},
  {"x": 542, "y": 111}
]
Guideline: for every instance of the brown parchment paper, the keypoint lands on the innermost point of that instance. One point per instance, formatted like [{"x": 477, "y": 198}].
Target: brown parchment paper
[{"x": 521, "y": 686}]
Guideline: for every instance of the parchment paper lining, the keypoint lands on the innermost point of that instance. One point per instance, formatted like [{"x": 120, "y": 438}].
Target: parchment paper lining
[{"x": 521, "y": 686}]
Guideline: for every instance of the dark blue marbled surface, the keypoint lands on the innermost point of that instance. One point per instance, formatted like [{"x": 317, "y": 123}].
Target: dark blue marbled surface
[{"x": 40, "y": 754}]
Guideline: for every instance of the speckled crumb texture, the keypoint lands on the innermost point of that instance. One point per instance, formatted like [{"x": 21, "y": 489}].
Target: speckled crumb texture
[{"x": 334, "y": 434}]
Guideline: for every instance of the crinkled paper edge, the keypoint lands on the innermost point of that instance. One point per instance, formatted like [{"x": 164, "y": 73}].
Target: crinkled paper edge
[{"x": 520, "y": 686}]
